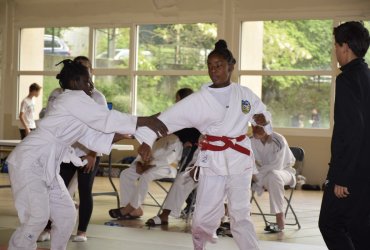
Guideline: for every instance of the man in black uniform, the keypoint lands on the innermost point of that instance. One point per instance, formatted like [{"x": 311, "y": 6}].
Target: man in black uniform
[{"x": 345, "y": 211}]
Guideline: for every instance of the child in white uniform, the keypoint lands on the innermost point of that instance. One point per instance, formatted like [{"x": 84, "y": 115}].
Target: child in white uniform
[
  {"x": 221, "y": 111},
  {"x": 274, "y": 162},
  {"x": 38, "y": 190},
  {"x": 134, "y": 181}
]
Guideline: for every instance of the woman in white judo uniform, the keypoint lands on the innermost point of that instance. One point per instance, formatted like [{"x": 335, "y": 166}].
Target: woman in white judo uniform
[
  {"x": 134, "y": 181},
  {"x": 221, "y": 111},
  {"x": 274, "y": 163},
  {"x": 38, "y": 190},
  {"x": 85, "y": 175}
]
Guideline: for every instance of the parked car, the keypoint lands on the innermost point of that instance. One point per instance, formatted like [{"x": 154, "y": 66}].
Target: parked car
[
  {"x": 55, "y": 45},
  {"x": 122, "y": 54}
]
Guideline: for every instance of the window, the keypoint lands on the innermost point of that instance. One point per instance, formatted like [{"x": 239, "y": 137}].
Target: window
[
  {"x": 289, "y": 63},
  {"x": 40, "y": 50},
  {"x": 112, "y": 48},
  {"x": 157, "y": 93},
  {"x": 169, "y": 60},
  {"x": 140, "y": 77}
]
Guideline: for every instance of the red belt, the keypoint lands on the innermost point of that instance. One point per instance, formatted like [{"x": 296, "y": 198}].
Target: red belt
[{"x": 228, "y": 143}]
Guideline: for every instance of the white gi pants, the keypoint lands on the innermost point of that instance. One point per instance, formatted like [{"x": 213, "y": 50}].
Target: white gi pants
[
  {"x": 180, "y": 190},
  {"x": 35, "y": 204},
  {"x": 274, "y": 181},
  {"x": 134, "y": 193},
  {"x": 210, "y": 209}
]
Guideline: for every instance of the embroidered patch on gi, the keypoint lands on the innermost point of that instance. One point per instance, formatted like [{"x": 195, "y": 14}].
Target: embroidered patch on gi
[
  {"x": 246, "y": 106},
  {"x": 204, "y": 158}
]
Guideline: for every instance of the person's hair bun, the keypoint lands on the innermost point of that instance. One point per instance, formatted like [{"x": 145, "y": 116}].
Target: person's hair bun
[{"x": 221, "y": 44}]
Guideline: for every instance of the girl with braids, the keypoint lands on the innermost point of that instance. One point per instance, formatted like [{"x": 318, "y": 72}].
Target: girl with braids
[
  {"x": 39, "y": 191},
  {"x": 221, "y": 111},
  {"x": 83, "y": 176}
]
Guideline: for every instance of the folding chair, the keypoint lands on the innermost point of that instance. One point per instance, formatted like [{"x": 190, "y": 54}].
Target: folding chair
[
  {"x": 160, "y": 183},
  {"x": 299, "y": 156}
]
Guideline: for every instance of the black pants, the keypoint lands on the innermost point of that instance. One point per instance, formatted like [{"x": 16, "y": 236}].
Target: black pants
[
  {"x": 85, "y": 184},
  {"x": 23, "y": 132},
  {"x": 345, "y": 223}
]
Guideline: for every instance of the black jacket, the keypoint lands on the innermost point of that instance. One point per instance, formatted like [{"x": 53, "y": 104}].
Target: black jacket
[{"x": 350, "y": 145}]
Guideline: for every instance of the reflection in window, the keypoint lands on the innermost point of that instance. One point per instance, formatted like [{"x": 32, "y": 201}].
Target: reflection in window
[
  {"x": 155, "y": 94},
  {"x": 175, "y": 46}
]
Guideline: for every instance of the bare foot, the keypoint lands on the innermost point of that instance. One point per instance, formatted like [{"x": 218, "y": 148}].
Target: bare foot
[
  {"x": 280, "y": 220},
  {"x": 127, "y": 210},
  {"x": 137, "y": 212}
]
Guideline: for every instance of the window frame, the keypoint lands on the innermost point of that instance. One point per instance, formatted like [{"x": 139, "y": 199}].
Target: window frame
[
  {"x": 333, "y": 72},
  {"x": 131, "y": 71}
]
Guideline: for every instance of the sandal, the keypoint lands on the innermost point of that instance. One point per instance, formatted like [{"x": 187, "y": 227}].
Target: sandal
[
  {"x": 155, "y": 221},
  {"x": 273, "y": 228},
  {"x": 116, "y": 213},
  {"x": 128, "y": 217}
]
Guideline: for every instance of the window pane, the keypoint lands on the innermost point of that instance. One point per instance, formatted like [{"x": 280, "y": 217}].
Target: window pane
[
  {"x": 116, "y": 90},
  {"x": 175, "y": 46},
  {"x": 286, "y": 45},
  {"x": 155, "y": 94},
  {"x": 367, "y": 56},
  {"x": 297, "y": 101},
  {"x": 50, "y": 83},
  {"x": 112, "y": 48},
  {"x": 42, "y": 48}
]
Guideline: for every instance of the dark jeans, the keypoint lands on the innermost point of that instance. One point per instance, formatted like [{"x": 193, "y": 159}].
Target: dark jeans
[
  {"x": 345, "y": 223},
  {"x": 23, "y": 132},
  {"x": 85, "y": 184}
]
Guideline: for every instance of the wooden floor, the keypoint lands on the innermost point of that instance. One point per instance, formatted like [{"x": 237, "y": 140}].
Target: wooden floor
[{"x": 305, "y": 203}]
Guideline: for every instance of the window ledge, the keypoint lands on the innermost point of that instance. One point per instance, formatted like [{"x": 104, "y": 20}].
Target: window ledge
[{"x": 312, "y": 132}]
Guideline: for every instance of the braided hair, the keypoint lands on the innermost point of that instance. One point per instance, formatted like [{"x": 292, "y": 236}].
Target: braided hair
[
  {"x": 222, "y": 50},
  {"x": 71, "y": 71}
]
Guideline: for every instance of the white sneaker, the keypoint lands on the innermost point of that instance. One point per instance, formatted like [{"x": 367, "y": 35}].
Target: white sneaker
[
  {"x": 79, "y": 238},
  {"x": 44, "y": 236}
]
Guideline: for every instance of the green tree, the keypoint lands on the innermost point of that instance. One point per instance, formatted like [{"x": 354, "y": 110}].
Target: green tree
[{"x": 297, "y": 45}]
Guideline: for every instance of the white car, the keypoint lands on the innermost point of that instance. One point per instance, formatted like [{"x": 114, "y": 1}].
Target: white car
[{"x": 121, "y": 54}]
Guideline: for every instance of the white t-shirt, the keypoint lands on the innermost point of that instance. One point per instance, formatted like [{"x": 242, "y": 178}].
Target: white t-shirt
[
  {"x": 28, "y": 108},
  {"x": 222, "y": 95}
]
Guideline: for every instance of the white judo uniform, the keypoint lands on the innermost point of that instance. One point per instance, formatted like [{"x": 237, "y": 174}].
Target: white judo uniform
[
  {"x": 167, "y": 153},
  {"x": 223, "y": 173},
  {"x": 274, "y": 163},
  {"x": 38, "y": 190},
  {"x": 80, "y": 149}
]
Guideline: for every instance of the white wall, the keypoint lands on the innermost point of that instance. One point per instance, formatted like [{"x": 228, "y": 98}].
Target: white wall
[{"x": 227, "y": 13}]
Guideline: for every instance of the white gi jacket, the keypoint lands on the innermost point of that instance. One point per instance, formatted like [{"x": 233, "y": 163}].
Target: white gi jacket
[
  {"x": 98, "y": 97},
  {"x": 167, "y": 151},
  {"x": 202, "y": 111},
  {"x": 72, "y": 117}
]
